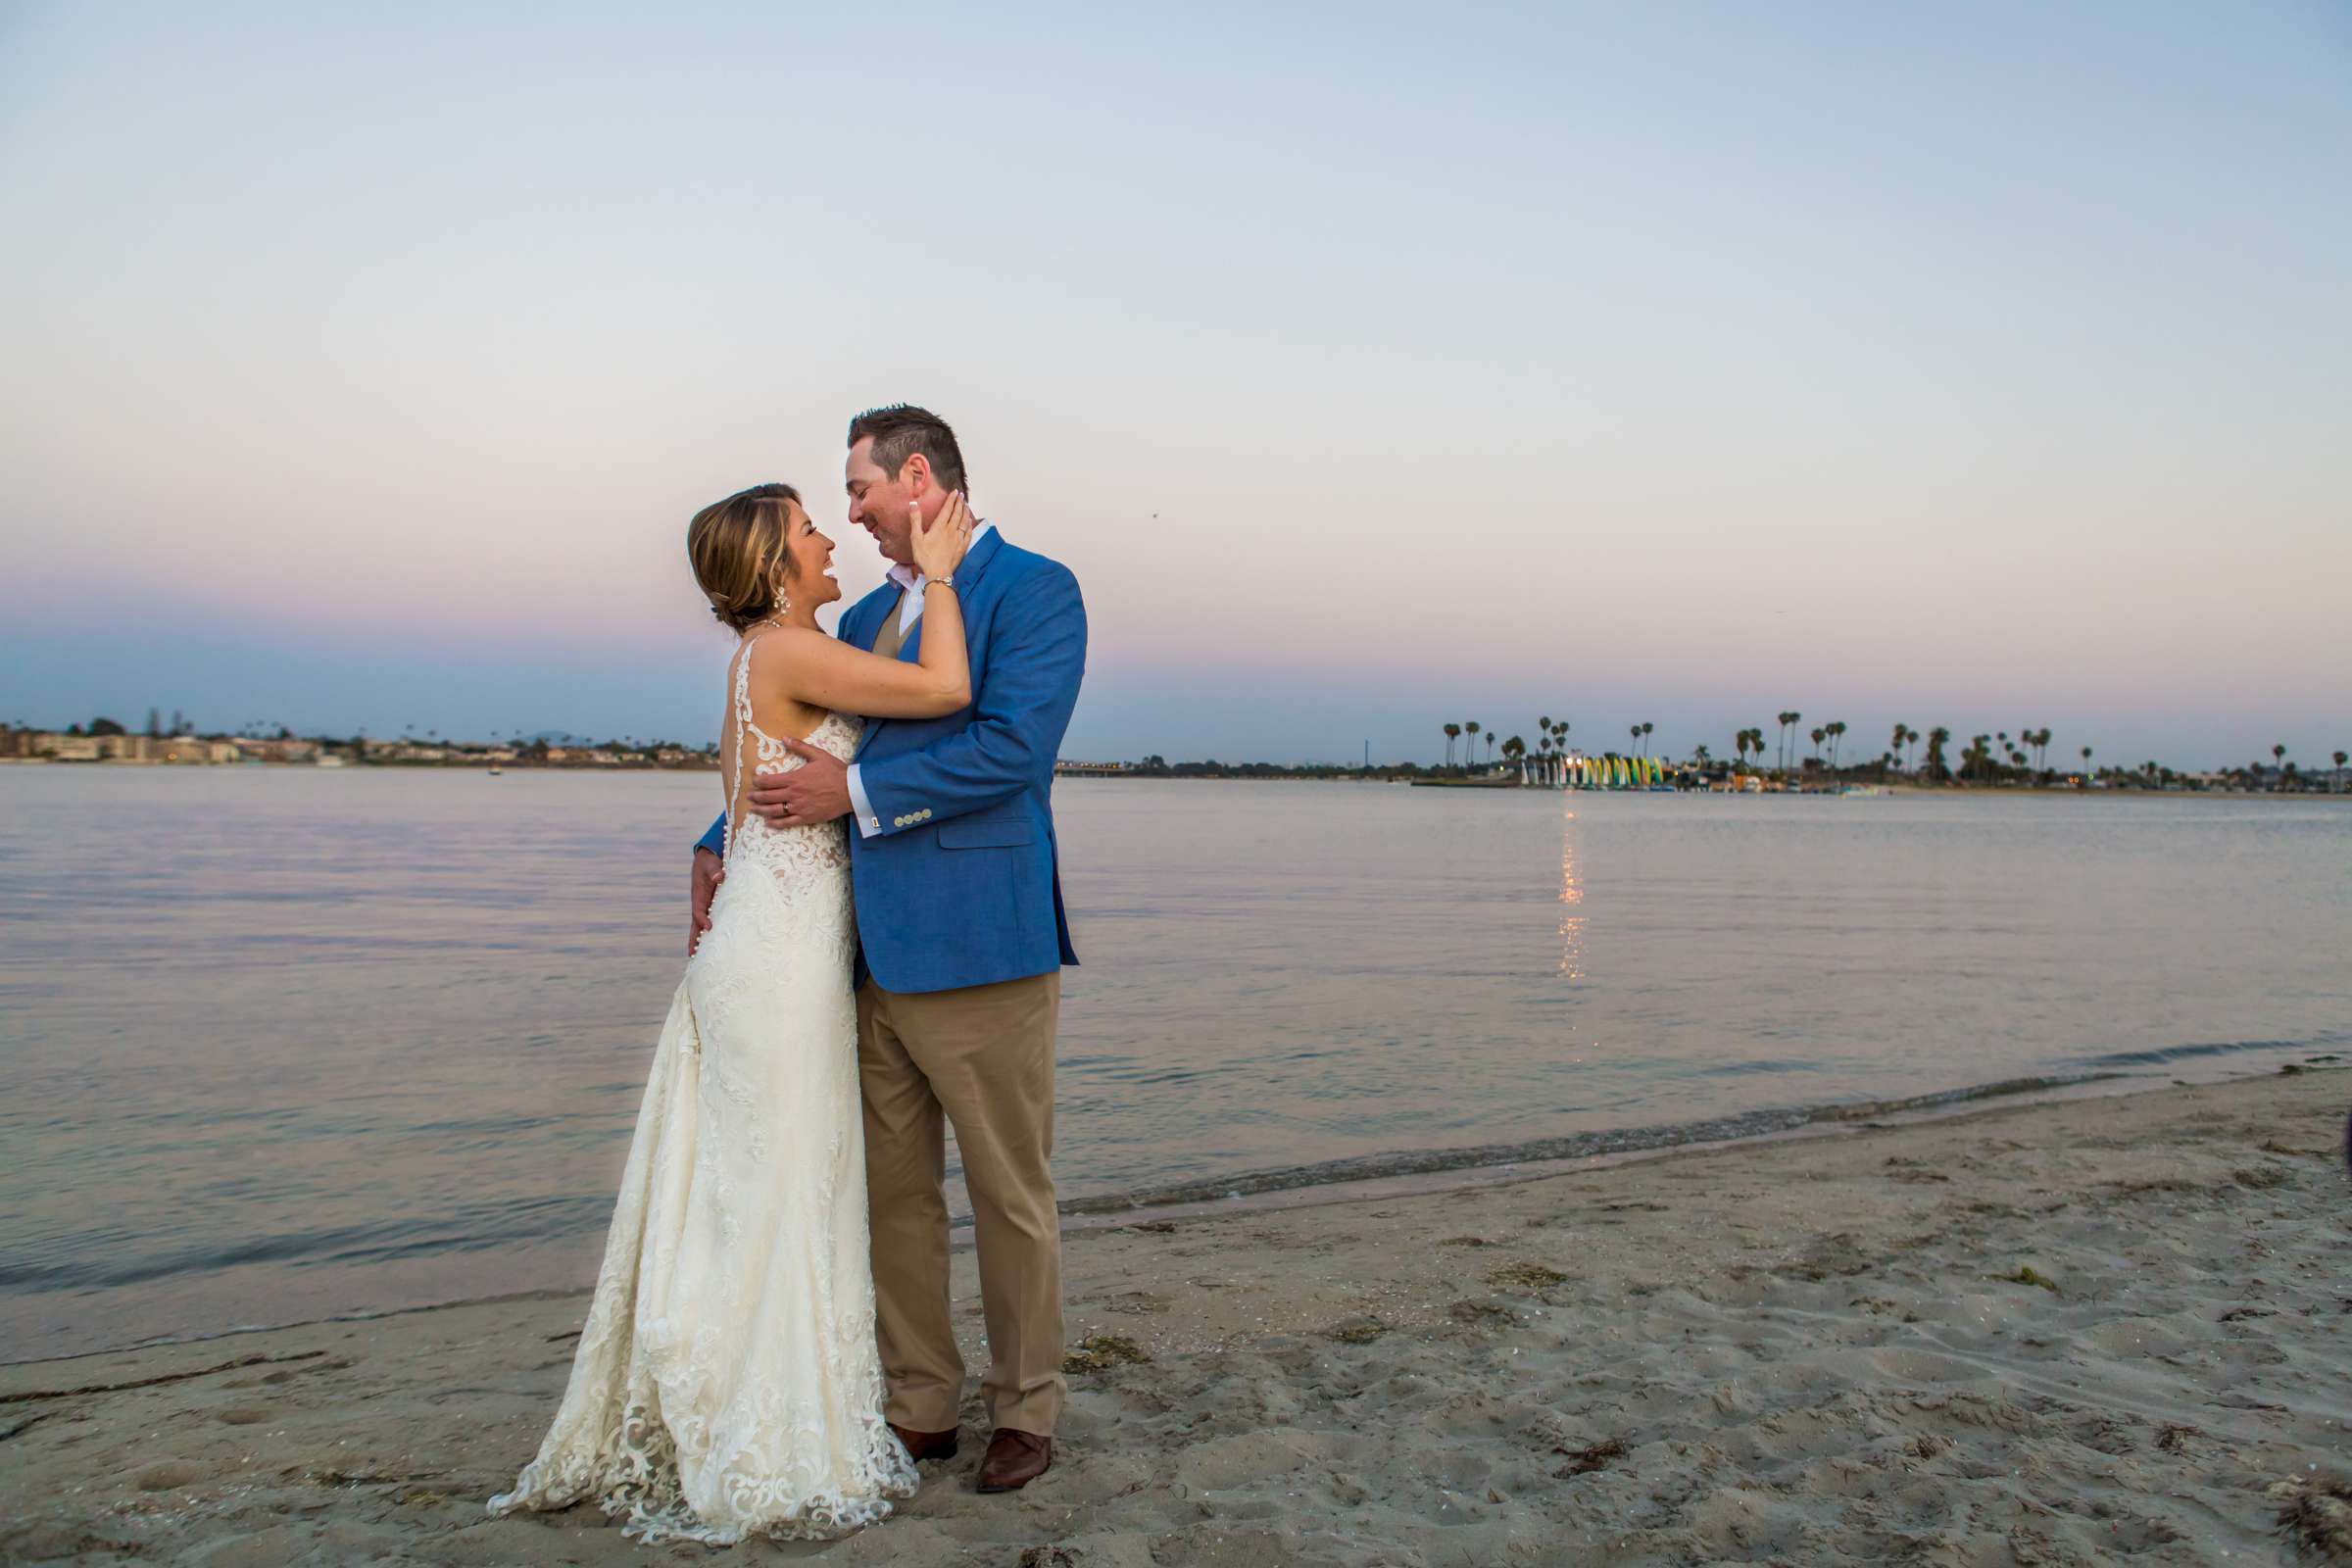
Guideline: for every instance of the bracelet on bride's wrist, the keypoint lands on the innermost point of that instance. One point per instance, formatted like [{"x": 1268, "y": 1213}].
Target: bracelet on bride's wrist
[{"x": 949, "y": 581}]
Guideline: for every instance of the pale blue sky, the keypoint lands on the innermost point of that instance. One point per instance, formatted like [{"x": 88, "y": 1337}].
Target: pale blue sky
[{"x": 1983, "y": 366}]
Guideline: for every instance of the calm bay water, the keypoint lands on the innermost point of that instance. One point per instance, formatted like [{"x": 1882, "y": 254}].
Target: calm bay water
[{"x": 276, "y": 1044}]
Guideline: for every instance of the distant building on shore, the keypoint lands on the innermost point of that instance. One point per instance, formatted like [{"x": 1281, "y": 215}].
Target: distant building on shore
[
  {"x": 108, "y": 742},
  {"x": 54, "y": 746},
  {"x": 276, "y": 751}
]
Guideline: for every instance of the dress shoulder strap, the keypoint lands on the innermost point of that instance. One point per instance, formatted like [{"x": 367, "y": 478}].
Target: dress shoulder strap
[
  {"x": 745, "y": 729},
  {"x": 743, "y": 683}
]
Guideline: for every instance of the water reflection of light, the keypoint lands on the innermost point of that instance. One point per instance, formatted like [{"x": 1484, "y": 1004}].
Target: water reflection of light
[{"x": 1572, "y": 897}]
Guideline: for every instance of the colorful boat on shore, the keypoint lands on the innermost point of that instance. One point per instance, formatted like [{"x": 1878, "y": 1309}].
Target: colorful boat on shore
[{"x": 1611, "y": 771}]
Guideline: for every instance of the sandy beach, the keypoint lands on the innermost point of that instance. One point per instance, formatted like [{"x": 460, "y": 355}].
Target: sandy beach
[{"x": 2090, "y": 1331}]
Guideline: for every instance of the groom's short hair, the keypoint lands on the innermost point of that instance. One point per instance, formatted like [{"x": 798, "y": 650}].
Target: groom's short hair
[{"x": 901, "y": 431}]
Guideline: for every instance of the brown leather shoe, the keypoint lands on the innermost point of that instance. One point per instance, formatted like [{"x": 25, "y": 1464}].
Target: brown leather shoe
[
  {"x": 921, "y": 1445},
  {"x": 1014, "y": 1460}
]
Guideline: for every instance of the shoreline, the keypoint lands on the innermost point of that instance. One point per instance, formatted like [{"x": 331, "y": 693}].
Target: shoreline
[
  {"x": 1408, "y": 1173},
  {"x": 1426, "y": 779},
  {"x": 2072, "y": 1331}
]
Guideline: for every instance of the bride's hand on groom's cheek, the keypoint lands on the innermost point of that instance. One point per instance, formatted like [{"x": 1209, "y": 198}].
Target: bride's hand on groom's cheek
[{"x": 819, "y": 791}]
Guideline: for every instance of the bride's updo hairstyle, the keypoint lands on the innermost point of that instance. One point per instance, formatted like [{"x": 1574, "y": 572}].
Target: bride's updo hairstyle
[{"x": 737, "y": 549}]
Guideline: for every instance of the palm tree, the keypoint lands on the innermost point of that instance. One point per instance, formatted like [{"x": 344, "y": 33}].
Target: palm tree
[
  {"x": 1514, "y": 750},
  {"x": 1819, "y": 735},
  {"x": 1470, "y": 727},
  {"x": 2341, "y": 760},
  {"x": 1836, "y": 730},
  {"x": 2087, "y": 775},
  {"x": 2278, "y": 752},
  {"x": 1938, "y": 739},
  {"x": 1646, "y": 727},
  {"x": 1452, "y": 733},
  {"x": 1490, "y": 748},
  {"x": 1784, "y": 734}
]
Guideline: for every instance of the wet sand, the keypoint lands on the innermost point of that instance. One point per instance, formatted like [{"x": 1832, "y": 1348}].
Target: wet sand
[{"x": 2089, "y": 1331}]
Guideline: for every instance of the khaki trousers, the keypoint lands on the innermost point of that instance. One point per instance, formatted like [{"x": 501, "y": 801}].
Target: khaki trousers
[{"x": 981, "y": 1059}]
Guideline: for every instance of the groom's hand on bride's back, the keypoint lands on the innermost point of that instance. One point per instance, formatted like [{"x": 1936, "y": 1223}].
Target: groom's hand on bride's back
[{"x": 817, "y": 791}]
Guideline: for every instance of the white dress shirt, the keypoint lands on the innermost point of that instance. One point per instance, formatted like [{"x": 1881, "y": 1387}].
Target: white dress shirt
[
  {"x": 911, "y": 610},
  {"x": 911, "y": 582}
]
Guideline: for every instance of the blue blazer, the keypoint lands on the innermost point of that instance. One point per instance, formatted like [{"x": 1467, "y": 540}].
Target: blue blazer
[{"x": 960, "y": 883}]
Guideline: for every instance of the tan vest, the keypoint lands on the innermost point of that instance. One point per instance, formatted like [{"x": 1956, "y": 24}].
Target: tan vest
[{"x": 893, "y": 639}]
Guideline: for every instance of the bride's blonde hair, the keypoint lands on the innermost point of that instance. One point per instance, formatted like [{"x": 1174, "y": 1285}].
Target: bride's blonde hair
[{"x": 736, "y": 547}]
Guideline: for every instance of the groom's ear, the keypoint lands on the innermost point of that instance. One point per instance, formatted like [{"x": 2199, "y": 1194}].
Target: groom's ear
[{"x": 917, "y": 476}]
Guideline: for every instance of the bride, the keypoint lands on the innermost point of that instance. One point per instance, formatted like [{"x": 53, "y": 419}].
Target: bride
[{"x": 727, "y": 1381}]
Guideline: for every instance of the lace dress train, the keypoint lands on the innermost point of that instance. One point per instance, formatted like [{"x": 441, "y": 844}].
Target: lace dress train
[{"x": 727, "y": 1381}]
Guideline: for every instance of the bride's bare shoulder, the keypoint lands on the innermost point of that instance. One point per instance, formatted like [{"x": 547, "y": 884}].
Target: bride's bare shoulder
[
  {"x": 784, "y": 664},
  {"x": 784, "y": 639},
  {"x": 777, "y": 650}
]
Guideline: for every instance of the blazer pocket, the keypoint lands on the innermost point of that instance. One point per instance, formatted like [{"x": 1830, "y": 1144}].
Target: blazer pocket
[{"x": 985, "y": 833}]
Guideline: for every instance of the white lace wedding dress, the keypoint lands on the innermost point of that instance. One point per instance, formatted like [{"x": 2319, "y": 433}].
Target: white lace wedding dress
[{"x": 727, "y": 1381}]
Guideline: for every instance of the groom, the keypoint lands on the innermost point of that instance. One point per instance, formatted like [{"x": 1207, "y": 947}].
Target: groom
[{"x": 963, "y": 939}]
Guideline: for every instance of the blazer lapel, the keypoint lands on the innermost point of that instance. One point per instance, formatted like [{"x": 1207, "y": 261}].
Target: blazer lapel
[
  {"x": 975, "y": 564},
  {"x": 865, "y": 635},
  {"x": 976, "y": 558}
]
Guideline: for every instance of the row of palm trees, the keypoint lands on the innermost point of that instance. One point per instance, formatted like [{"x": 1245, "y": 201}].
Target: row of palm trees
[
  {"x": 1552, "y": 742},
  {"x": 1471, "y": 728},
  {"x": 1983, "y": 757}
]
